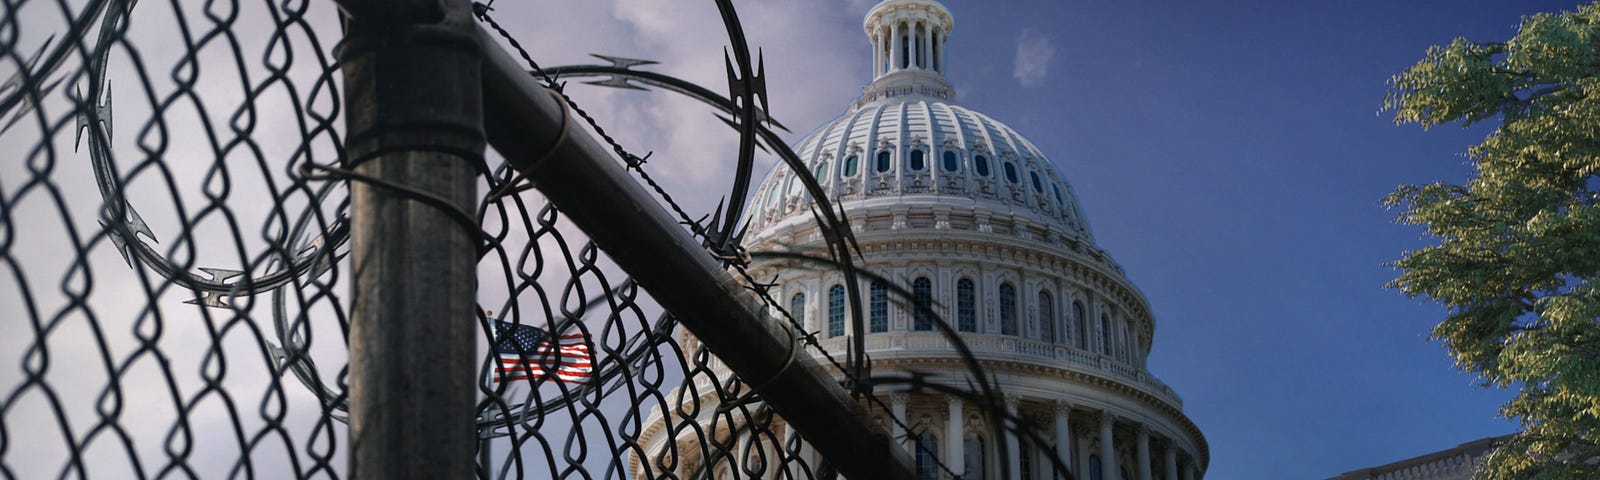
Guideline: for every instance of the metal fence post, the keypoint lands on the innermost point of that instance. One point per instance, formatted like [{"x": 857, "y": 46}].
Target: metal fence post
[{"x": 415, "y": 131}]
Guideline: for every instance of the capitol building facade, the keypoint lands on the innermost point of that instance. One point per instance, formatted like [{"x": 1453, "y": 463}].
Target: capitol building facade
[{"x": 982, "y": 228}]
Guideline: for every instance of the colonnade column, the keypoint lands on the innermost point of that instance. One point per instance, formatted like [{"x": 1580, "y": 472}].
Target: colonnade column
[
  {"x": 1172, "y": 462},
  {"x": 916, "y": 47},
  {"x": 1108, "y": 455},
  {"x": 1064, "y": 434},
  {"x": 1013, "y": 441},
  {"x": 1192, "y": 473},
  {"x": 877, "y": 54},
  {"x": 944, "y": 52},
  {"x": 955, "y": 438},
  {"x": 894, "y": 47},
  {"x": 1143, "y": 451},
  {"x": 897, "y": 407}
]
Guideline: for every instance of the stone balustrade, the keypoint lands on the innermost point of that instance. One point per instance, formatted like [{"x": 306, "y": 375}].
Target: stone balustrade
[{"x": 887, "y": 345}]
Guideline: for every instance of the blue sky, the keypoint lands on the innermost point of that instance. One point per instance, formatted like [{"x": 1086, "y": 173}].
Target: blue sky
[{"x": 1231, "y": 156}]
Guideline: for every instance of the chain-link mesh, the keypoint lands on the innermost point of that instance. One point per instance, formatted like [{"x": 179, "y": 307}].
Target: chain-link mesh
[{"x": 175, "y": 301}]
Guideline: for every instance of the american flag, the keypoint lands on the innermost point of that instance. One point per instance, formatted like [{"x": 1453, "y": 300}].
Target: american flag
[{"x": 527, "y": 352}]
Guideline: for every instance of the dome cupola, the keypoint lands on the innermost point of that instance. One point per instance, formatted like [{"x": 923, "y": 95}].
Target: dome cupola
[
  {"x": 905, "y": 142},
  {"x": 909, "y": 40}
]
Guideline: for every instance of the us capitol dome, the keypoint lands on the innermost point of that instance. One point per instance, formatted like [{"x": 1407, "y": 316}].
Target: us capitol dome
[{"x": 976, "y": 221}]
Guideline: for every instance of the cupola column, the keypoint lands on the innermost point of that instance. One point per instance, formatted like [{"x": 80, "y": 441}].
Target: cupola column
[
  {"x": 916, "y": 44},
  {"x": 944, "y": 52},
  {"x": 877, "y": 53},
  {"x": 894, "y": 47}
]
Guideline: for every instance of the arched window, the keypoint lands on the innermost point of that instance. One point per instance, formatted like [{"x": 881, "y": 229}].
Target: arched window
[
  {"x": 980, "y": 163},
  {"x": 850, "y": 166},
  {"x": 878, "y": 296},
  {"x": 1078, "y": 326},
  {"x": 797, "y": 308},
  {"x": 1037, "y": 187},
  {"x": 883, "y": 161},
  {"x": 822, "y": 172},
  {"x": 1008, "y": 309},
  {"x": 972, "y": 458},
  {"x": 836, "y": 311},
  {"x": 1096, "y": 471},
  {"x": 1047, "y": 318},
  {"x": 951, "y": 163},
  {"x": 1057, "y": 188},
  {"x": 927, "y": 456},
  {"x": 1105, "y": 334},
  {"x": 922, "y": 297},
  {"x": 917, "y": 162},
  {"x": 966, "y": 306},
  {"x": 1011, "y": 172},
  {"x": 772, "y": 197}
]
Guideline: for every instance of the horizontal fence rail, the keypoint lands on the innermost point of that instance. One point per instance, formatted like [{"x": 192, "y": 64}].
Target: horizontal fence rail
[{"x": 376, "y": 239}]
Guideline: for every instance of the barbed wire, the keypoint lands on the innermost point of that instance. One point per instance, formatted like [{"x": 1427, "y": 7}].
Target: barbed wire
[{"x": 151, "y": 355}]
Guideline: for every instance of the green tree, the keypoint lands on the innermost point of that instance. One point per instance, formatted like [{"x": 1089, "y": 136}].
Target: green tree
[{"x": 1517, "y": 264}]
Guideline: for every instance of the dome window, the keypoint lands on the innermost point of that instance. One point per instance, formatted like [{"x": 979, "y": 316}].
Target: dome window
[
  {"x": 883, "y": 162},
  {"x": 1080, "y": 330},
  {"x": 879, "y": 295},
  {"x": 1011, "y": 172},
  {"x": 1008, "y": 309},
  {"x": 821, "y": 173},
  {"x": 835, "y": 311},
  {"x": 951, "y": 164},
  {"x": 797, "y": 308},
  {"x": 972, "y": 452},
  {"x": 1047, "y": 317},
  {"x": 1057, "y": 188},
  {"x": 922, "y": 300},
  {"x": 1105, "y": 334},
  {"x": 917, "y": 162},
  {"x": 928, "y": 456},
  {"x": 850, "y": 166},
  {"x": 1037, "y": 187},
  {"x": 966, "y": 306},
  {"x": 981, "y": 164}
]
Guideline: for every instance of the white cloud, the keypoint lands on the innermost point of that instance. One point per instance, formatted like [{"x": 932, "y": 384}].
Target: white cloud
[
  {"x": 1034, "y": 51},
  {"x": 816, "y": 60}
]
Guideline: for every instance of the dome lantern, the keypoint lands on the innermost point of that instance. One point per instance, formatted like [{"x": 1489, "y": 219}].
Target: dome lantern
[{"x": 909, "y": 43}]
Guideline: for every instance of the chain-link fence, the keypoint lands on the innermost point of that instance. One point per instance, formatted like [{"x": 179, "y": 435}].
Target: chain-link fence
[{"x": 185, "y": 230}]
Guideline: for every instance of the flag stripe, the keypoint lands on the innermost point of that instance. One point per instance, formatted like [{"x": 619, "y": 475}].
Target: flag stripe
[{"x": 527, "y": 352}]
